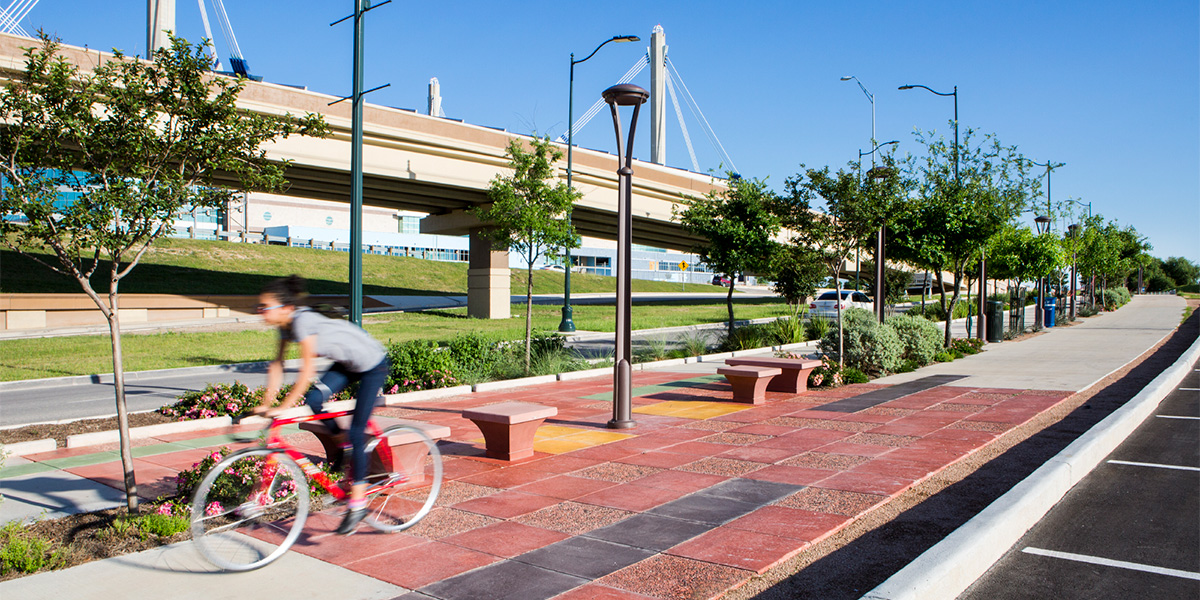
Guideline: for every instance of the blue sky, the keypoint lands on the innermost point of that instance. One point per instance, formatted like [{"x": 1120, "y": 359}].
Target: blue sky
[{"x": 1110, "y": 88}]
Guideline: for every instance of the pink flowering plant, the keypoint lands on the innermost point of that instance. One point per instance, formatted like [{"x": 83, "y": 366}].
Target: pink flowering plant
[
  {"x": 225, "y": 399},
  {"x": 829, "y": 374},
  {"x": 240, "y": 482}
]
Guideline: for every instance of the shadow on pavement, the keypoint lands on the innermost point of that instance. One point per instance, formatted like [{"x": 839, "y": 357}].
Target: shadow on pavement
[{"x": 869, "y": 560}]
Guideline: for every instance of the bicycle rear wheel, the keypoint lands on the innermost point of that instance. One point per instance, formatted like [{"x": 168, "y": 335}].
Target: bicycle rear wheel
[
  {"x": 249, "y": 509},
  {"x": 401, "y": 493}
]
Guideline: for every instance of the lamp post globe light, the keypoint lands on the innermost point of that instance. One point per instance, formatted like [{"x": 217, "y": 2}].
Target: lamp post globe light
[
  {"x": 1042, "y": 222},
  {"x": 625, "y": 94},
  {"x": 567, "y": 325}
]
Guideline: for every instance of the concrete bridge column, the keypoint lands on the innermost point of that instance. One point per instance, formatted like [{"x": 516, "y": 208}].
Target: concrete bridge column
[{"x": 488, "y": 279}]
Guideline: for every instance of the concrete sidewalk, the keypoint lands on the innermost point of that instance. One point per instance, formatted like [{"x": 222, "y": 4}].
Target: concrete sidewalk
[{"x": 700, "y": 497}]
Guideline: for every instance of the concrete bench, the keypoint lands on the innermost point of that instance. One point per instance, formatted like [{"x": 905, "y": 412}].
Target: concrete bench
[
  {"x": 749, "y": 383},
  {"x": 794, "y": 376},
  {"x": 408, "y": 451},
  {"x": 508, "y": 428}
]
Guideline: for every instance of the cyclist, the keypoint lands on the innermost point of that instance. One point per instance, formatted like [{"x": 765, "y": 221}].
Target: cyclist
[{"x": 356, "y": 356}]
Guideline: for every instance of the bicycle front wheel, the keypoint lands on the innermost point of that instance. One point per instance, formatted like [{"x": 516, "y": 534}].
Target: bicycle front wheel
[
  {"x": 249, "y": 509},
  {"x": 404, "y": 480}
]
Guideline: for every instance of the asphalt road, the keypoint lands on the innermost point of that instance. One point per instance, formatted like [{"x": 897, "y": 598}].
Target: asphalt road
[{"x": 1130, "y": 529}]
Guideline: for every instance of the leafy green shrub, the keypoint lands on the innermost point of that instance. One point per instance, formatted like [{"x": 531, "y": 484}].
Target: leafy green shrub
[
  {"x": 1115, "y": 298},
  {"x": 21, "y": 552},
  {"x": 853, "y": 375},
  {"x": 419, "y": 365},
  {"x": 934, "y": 312},
  {"x": 817, "y": 327},
  {"x": 919, "y": 337},
  {"x": 967, "y": 346},
  {"x": 473, "y": 355},
  {"x": 908, "y": 366},
  {"x": 944, "y": 356},
  {"x": 869, "y": 346},
  {"x": 1086, "y": 310},
  {"x": 163, "y": 525},
  {"x": 829, "y": 374}
]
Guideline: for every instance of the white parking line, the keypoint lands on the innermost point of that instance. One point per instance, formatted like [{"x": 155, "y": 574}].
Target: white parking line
[
  {"x": 1177, "y": 417},
  {"x": 1156, "y": 465},
  {"x": 1107, "y": 562},
  {"x": 1189, "y": 389}
]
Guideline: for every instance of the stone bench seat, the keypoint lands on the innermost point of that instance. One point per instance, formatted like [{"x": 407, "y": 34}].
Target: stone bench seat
[
  {"x": 508, "y": 427},
  {"x": 794, "y": 376},
  {"x": 749, "y": 383},
  {"x": 408, "y": 451}
]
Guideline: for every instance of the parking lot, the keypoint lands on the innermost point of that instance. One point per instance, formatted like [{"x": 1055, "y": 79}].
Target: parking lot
[{"x": 1130, "y": 529}]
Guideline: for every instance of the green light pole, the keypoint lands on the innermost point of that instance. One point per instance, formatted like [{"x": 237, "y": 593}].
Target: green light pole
[{"x": 568, "y": 324}]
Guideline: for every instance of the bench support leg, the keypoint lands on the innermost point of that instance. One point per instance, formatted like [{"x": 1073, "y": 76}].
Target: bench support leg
[
  {"x": 509, "y": 442},
  {"x": 751, "y": 390}
]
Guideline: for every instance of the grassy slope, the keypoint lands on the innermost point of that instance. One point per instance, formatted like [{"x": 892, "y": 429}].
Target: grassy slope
[{"x": 182, "y": 266}]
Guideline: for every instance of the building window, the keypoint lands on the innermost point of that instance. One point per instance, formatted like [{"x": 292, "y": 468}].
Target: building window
[{"x": 410, "y": 225}]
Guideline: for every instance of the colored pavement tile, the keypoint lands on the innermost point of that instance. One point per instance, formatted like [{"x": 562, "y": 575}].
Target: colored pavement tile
[{"x": 739, "y": 548}]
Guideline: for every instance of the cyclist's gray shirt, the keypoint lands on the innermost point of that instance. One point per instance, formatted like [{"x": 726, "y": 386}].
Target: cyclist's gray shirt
[{"x": 341, "y": 341}]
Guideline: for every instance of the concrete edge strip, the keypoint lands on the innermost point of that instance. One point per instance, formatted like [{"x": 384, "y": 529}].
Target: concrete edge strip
[
  {"x": 952, "y": 565},
  {"x": 26, "y": 384}
]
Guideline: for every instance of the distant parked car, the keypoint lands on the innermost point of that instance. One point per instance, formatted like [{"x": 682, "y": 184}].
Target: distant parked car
[
  {"x": 721, "y": 280},
  {"x": 826, "y": 303},
  {"x": 558, "y": 268}
]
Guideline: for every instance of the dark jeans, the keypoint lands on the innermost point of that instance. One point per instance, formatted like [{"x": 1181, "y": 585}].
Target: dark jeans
[{"x": 370, "y": 385}]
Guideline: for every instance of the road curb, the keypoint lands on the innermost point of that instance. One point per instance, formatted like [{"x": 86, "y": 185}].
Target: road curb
[
  {"x": 952, "y": 565},
  {"x": 250, "y": 367}
]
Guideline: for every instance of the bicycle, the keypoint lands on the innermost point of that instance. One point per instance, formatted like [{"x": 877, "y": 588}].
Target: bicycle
[{"x": 250, "y": 518}]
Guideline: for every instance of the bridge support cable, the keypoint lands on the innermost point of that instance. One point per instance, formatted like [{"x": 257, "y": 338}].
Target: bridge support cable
[
  {"x": 687, "y": 139},
  {"x": 208, "y": 37},
  {"x": 595, "y": 109},
  {"x": 14, "y": 14},
  {"x": 692, "y": 105}
]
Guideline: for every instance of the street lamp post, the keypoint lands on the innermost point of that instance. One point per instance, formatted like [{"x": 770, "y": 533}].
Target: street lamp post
[
  {"x": 1074, "y": 230},
  {"x": 567, "y": 325},
  {"x": 1092, "y": 280},
  {"x": 625, "y": 94},
  {"x": 982, "y": 329},
  {"x": 871, "y": 99},
  {"x": 880, "y": 235},
  {"x": 1042, "y": 223}
]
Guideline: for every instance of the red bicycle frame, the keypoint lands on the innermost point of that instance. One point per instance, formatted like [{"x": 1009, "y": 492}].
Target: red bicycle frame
[{"x": 275, "y": 441}]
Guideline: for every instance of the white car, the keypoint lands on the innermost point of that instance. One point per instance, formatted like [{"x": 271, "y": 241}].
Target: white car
[{"x": 826, "y": 303}]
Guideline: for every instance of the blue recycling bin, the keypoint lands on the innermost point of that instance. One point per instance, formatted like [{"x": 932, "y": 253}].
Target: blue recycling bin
[{"x": 1049, "y": 315}]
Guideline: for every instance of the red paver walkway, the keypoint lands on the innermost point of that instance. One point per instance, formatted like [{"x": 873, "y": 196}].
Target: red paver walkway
[{"x": 700, "y": 496}]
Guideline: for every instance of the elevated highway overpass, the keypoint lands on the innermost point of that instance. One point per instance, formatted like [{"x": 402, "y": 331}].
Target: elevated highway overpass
[{"x": 437, "y": 166}]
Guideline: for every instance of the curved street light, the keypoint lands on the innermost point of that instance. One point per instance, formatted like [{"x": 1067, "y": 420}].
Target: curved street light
[
  {"x": 625, "y": 94},
  {"x": 870, "y": 97},
  {"x": 567, "y": 325},
  {"x": 955, "y": 94},
  {"x": 880, "y": 235}
]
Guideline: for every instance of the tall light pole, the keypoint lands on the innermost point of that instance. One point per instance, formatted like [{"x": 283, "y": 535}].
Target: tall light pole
[
  {"x": 1073, "y": 230},
  {"x": 880, "y": 237},
  {"x": 625, "y": 94},
  {"x": 982, "y": 329},
  {"x": 871, "y": 99},
  {"x": 567, "y": 325},
  {"x": 1092, "y": 280},
  {"x": 1042, "y": 223}
]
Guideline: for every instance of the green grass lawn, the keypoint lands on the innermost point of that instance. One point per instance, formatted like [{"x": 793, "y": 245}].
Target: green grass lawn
[
  {"x": 183, "y": 266},
  {"x": 91, "y": 354}
]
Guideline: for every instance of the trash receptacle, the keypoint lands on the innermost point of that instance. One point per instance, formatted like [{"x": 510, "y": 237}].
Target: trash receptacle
[
  {"x": 995, "y": 321},
  {"x": 1049, "y": 316}
]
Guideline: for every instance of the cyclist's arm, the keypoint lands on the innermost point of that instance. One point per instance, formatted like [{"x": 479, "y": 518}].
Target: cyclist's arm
[
  {"x": 308, "y": 370},
  {"x": 274, "y": 378}
]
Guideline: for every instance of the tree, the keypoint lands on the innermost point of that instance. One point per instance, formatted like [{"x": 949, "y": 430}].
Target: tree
[
  {"x": 853, "y": 211},
  {"x": 798, "y": 271},
  {"x": 738, "y": 224},
  {"x": 134, "y": 144},
  {"x": 1018, "y": 255},
  {"x": 1182, "y": 271},
  {"x": 956, "y": 213},
  {"x": 527, "y": 211}
]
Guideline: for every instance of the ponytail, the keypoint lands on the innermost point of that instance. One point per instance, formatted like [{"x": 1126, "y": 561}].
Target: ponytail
[{"x": 290, "y": 290}]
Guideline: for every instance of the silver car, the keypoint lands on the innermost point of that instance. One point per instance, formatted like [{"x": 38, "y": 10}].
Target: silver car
[{"x": 826, "y": 303}]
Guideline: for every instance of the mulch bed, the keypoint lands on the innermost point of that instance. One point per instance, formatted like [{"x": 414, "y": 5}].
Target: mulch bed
[{"x": 60, "y": 431}]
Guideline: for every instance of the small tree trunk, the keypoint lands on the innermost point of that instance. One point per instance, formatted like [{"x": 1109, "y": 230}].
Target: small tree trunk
[
  {"x": 528, "y": 315},
  {"x": 114, "y": 327},
  {"x": 729, "y": 303}
]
